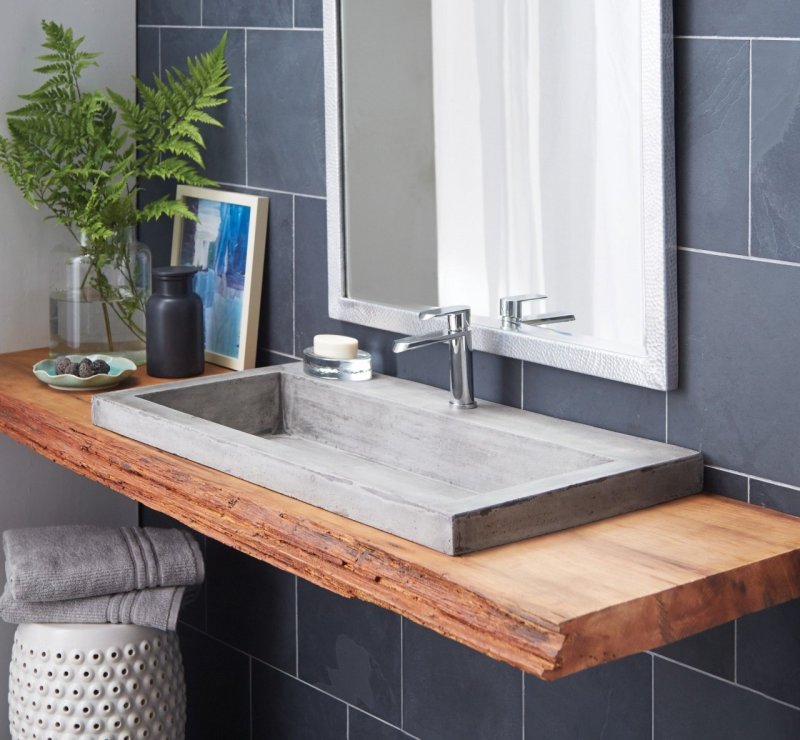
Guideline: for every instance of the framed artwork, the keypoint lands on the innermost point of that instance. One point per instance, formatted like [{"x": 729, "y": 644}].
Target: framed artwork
[{"x": 227, "y": 243}]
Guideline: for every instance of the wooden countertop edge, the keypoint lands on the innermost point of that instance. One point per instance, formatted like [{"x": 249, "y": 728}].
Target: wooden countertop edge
[
  {"x": 307, "y": 542},
  {"x": 659, "y": 619},
  {"x": 333, "y": 560}
]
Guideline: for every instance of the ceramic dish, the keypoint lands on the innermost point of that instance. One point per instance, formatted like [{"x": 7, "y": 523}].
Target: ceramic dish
[{"x": 120, "y": 368}]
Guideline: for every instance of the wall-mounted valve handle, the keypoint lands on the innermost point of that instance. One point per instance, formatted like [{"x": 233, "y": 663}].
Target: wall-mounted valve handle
[
  {"x": 511, "y": 307},
  {"x": 511, "y": 312}
]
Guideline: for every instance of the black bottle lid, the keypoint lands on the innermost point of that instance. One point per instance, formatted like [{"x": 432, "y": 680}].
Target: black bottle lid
[{"x": 173, "y": 280}]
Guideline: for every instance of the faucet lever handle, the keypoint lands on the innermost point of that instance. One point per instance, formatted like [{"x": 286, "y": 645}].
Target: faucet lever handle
[
  {"x": 430, "y": 313},
  {"x": 511, "y": 306}
]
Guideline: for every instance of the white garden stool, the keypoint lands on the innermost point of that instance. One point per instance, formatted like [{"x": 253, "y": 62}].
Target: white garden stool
[{"x": 114, "y": 681}]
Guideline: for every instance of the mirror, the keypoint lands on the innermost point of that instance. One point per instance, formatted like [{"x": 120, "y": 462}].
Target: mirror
[{"x": 481, "y": 150}]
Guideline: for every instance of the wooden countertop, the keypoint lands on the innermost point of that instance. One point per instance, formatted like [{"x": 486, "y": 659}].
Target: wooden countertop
[{"x": 551, "y": 605}]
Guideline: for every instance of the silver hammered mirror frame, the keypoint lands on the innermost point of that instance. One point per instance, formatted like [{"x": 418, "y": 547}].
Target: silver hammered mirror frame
[{"x": 657, "y": 366}]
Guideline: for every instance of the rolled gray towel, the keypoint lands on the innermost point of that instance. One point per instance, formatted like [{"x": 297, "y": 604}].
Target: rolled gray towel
[
  {"x": 152, "y": 607},
  {"x": 76, "y": 562}
]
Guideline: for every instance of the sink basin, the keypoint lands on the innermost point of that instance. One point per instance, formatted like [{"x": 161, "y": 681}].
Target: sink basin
[{"x": 393, "y": 454}]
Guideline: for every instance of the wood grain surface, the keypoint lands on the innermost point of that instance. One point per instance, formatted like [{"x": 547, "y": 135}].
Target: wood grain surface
[{"x": 550, "y": 605}]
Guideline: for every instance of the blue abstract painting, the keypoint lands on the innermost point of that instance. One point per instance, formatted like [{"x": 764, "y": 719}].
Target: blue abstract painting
[{"x": 217, "y": 244}]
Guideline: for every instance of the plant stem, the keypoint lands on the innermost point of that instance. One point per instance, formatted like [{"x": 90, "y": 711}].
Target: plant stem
[
  {"x": 108, "y": 327},
  {"x": 135, "y": 329}
]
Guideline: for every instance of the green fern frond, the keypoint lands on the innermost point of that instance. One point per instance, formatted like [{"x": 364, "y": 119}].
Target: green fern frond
[
  {"x": 80, "y": 154},
  {"x": 166, "y": 206}
]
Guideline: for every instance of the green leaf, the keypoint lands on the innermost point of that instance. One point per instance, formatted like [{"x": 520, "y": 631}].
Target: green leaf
[{"x": 85, "y": 155}]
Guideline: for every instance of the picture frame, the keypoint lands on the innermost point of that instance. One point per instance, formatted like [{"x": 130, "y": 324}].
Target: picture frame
[{"x": 228, "y": 245}]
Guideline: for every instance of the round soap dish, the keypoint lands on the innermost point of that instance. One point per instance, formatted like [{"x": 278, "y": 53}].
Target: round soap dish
[{"x": 357, "y": 368}]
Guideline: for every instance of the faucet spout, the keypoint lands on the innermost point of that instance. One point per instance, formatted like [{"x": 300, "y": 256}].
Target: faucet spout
[
  {"x": 555, "y": 317},
  {"x": 425, "y": 340}
]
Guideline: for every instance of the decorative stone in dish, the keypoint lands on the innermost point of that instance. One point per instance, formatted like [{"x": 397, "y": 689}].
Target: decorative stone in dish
[{"x": 119, "y": 369}]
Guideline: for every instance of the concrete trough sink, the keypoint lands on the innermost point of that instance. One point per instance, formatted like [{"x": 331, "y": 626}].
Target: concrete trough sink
[{"x": 393, "y": 454}]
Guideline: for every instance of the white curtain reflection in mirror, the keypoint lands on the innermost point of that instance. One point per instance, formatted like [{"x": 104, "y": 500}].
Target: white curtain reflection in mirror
[
  {"x": 492, "y": 148},
  {"x": 538, "y": 154}
]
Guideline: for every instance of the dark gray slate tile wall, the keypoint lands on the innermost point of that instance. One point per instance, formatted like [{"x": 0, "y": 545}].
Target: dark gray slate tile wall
[
  {"x": 611, "y": 701},
  {"x": 226, "y": 148},
  {"x": 712, "y": 113},
  {"x": 739, "y": 394},
  {"x": 308, "y": 13},
  {"x": 286, "y": 111},
  {"x": 451, "y": 691},
  {"x": 712, "y": 651},
  {"x": 299, "y": 662},
  {"x": 776, "y": 150},
  {"x": 350, "y": 650},
  {"x": 773, "y": 18},
  {"x": 695, "y": 706},
  {"x": 265, "y": 14}
]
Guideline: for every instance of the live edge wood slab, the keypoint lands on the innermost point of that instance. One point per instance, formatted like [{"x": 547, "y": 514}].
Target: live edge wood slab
[{"x": 551, "y": 605}]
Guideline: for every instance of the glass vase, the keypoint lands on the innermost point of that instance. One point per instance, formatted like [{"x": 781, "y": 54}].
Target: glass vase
[{"x": 97, "y": 302}]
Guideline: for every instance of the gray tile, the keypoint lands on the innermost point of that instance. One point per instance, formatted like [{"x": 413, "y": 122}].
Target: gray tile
[
  {"x": 739, "y": 395},
  {"x": 364, "y": 727},
  {"x": 147, "y": 54},
  {"x": 603, "y": 403},
  {"x": 452, "y": 692},
  {"x": 711, "y": 144},
  {"x": 724, "y": 483},
  {"x": 737, "y": 18},
  {"x": 611, "y": 701},
  {"x": 311, "y": 273},
  {"x": 157, "y": 235},
  {"x": 496, "y": 379},
  {"x": 217, "y": 688},
  {"x": 276, "y": 325},
  {"x": 266, "y": 13},
  {"x": 768, "y": 652},
  {"x": 286, "y": 115},
  {"x": 429, "y": 365},
  {"x": 378, "y": 343},
  {"x": 225, "y": 147},
  {"x": 692, "y": 706},
  {"x": 172, "y": 13},
  {"x": 308, "y": 13},
  {"x": 265, "y": 358},
  {"x": 286, "y": 709},
  {"x": 711, "y": 651},
  {"x": 350, "y": 649},
  {"x": 776, "y": 150},
  {"x": 251, "y": 605},
  {"x": 776, "y": 497},
  {"x": 311, "y": 291}
]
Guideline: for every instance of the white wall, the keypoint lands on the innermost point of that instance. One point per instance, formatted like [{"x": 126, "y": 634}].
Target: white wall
[
  {"x": 33, "y": 491},
  {"x": 25, "y": 241}
]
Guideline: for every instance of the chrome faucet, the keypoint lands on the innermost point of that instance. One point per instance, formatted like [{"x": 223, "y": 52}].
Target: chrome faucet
[
  {"x": 511, "y": 312},
  {"x": 459, "y": 336}
]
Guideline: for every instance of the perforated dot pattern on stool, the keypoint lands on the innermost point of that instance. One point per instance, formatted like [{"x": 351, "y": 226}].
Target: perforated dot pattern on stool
[{"x": 129, "y": 691}]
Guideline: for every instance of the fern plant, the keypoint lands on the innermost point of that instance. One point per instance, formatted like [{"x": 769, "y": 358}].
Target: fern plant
[{"x": 85, "y": 155}]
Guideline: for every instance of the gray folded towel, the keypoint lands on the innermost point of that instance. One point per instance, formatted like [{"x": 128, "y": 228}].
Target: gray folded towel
[
  {"x": 76, "y": 562},
  {"x": 151, "y": 607}
]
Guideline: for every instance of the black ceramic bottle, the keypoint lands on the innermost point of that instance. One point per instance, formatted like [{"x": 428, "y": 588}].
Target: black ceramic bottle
[{"x": 174, "y": 325}]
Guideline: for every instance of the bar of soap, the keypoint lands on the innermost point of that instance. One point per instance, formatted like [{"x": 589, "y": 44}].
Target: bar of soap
[{"x": 335, "y": 347}]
